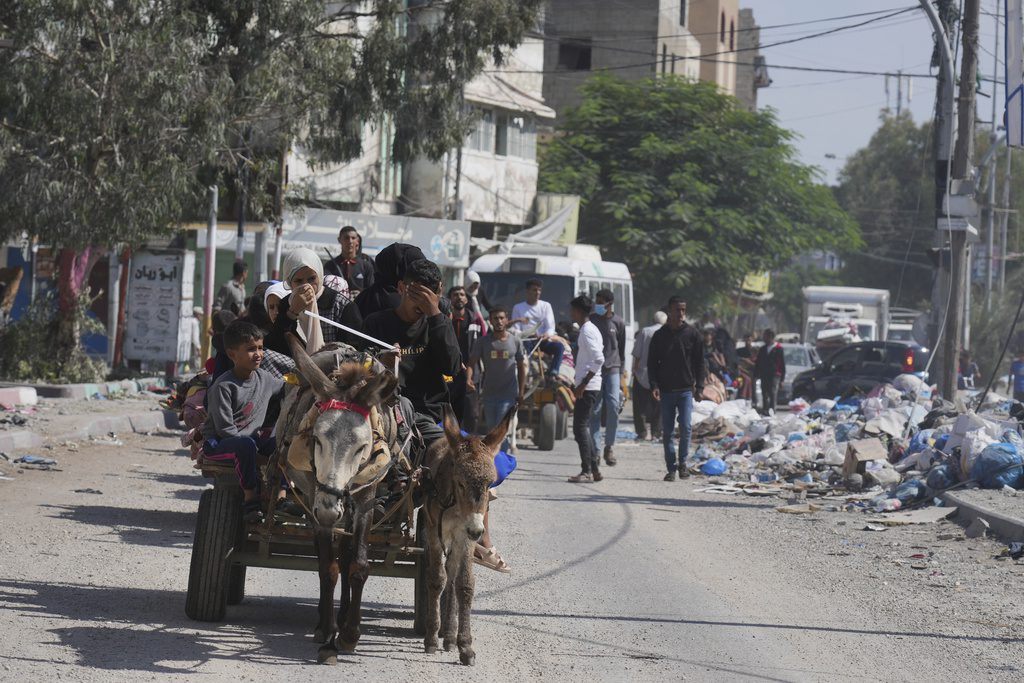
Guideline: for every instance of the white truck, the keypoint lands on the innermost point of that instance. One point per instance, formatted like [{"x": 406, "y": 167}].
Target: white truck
[{"x": 837, "y": 315}]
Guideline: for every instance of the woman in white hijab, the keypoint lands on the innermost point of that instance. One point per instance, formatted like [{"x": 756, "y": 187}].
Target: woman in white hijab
[{"x": 303, "y": 275}]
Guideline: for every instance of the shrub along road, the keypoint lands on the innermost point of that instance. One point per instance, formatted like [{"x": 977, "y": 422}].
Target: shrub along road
[{"x": 631, "y": 578}]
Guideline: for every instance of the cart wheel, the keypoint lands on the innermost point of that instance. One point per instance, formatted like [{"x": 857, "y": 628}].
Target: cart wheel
[
  {"x": 547, "y": 427},
  {"x": 562, "y": 430},
  {"x": 236, "y": 584},
  {"x": 220, "y": 514},
  {"x": 419, "y": 622}
]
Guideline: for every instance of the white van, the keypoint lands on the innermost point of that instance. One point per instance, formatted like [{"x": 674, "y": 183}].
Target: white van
[{"x": 566, "y": 272}]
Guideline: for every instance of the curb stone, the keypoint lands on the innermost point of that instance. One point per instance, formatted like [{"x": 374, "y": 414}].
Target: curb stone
[
  {"x": 128, "y": 387},
  {"x": 1004, "y": 526},
  {"x": 25, "y": 439}
]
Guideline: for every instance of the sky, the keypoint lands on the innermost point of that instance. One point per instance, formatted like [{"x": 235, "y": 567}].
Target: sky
[{"x": 834, "y": 115}]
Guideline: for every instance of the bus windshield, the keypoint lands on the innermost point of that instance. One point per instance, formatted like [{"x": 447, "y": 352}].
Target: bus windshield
[{"x": 508, "y": 289}]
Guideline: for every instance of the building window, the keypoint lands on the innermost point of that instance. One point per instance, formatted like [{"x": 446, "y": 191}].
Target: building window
[
  {"x": 521, "y": 136},
  {"x": 501, "y": 135},
  {"x": 482, "y": 136},
  {"x": 682, "y": 12},
  {"x": 574, "y": 55},
  {"x": 732, "y": 35},
  {"x": 721, "y": 30}
]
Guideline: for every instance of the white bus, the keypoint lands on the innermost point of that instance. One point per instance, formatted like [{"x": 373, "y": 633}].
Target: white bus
[{"x": 566, "y": 271}]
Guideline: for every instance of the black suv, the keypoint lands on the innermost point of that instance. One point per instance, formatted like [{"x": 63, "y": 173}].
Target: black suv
[{"x": 860, "y": 368}]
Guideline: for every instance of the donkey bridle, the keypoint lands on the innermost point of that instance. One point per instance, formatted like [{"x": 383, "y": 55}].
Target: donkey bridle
[{"x": 334, "y": 404}]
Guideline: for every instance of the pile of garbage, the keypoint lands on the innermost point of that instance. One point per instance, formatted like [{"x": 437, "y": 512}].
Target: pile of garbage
[{"x": 900, "y": 444}]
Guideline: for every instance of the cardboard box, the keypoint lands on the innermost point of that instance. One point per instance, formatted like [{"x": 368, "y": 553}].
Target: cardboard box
[{"x": 860, "y": 451}]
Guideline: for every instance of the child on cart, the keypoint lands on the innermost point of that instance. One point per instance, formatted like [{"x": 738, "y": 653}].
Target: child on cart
[{"x": 237, "y": 405}]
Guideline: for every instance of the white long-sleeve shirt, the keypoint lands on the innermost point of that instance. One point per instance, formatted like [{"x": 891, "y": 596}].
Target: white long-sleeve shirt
[{"x": 590, "y": 356}]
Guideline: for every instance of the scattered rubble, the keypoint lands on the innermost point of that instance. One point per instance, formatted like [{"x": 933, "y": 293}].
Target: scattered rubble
[{"x": 897, "y": 448}]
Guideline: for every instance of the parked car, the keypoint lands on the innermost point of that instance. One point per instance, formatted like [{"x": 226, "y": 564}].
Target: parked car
[
  {"x": 860, "y": 367},
  {"x": 799, "y": 358}
]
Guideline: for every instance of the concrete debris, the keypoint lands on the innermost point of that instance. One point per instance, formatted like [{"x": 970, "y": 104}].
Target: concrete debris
[{"x": 897, "y": 448}]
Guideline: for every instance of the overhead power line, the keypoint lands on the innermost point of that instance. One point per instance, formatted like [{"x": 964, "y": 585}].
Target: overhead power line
[
  {"x": 708, "y": 57},
  {"x": 619, "y": 37}
]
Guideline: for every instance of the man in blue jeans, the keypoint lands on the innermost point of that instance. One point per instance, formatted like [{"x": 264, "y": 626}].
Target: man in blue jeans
[
  {"x": 609, "y": 401},
  {"x": 675, "y": 366},
  {"x": 504, "y": 365}
]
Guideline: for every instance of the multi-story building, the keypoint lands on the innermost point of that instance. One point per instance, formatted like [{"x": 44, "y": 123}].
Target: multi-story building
[
  {"x": 751, "y": 68},
  {"x": 491, "y": 181},
  {"x": 715, "y": 24},
  {"x": 633, "y": 40}
]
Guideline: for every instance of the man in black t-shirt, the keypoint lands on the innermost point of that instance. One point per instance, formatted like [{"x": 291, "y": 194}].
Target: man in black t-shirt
[
  {"x": 352, "y": 265},
  {"x": 429, "y": 348}
]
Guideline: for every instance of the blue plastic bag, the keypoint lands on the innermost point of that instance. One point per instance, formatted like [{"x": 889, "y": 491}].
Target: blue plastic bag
[
  {"x": 920, "y": 441},
  {"x": 504, "y": 463},
  {"x": 911, "y": 491},
  {"x": 713, "y": 467},
  {"x": 940, "y": 443},
  {"x": 844, "y": 430},
  {"x": 998, "y": 465}
]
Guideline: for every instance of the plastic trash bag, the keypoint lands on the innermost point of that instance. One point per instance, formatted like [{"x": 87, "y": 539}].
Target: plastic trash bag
[
  {"x": 1011, "y": 436},
  {"x": 920, "y": 441},
  {"x": 941, "y": 477},
  {"x": 846, "y": 431},
  {"x": 911, "y": 491},
  {"x": 909, "y": 384},
  {"x": 997, "y": 466},
  {"x": 872, "y": 407},
  {"x": 714, "y": 467}
]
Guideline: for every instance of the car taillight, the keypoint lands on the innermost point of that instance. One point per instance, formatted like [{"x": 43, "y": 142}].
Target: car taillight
[{"x": 908, "y": 362}]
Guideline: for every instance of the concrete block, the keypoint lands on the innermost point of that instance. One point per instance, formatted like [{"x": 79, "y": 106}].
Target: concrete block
[
  {"x": 19, "y": 396},
  {"x": 147, "y": 422},
  {"x": 19, "y": 440}
]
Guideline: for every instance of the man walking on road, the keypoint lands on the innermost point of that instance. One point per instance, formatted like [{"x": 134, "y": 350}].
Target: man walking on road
[
  {"x": 770, "y": 368},
  {"x": 504, "y": 364},
  {"x": 675, "y": 366},
  {"x": 352, "y": 265},
  {"x": 467, "y": 326},
  {"x": 231, "y": 296},
  {"x": 589, "y": 361},
  {"x": 613, "y": 335},
  {"x": 645, "y": 408}
]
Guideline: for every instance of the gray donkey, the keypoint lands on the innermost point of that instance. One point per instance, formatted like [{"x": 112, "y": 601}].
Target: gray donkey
[{"x": 460, "y": 470}]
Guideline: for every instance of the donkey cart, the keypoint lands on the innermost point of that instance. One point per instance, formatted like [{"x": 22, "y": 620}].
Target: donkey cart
[{"x": 224, "y": 545}]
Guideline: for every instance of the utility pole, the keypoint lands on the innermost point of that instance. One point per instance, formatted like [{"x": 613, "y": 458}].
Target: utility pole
[
  {"x": 1003, "y": 222},
  {"x": 960, "y": 170},
  {"x": 945, "y": 130},
  {"x": 990, "y": 223},
  {"x": 899, "y": 93}
]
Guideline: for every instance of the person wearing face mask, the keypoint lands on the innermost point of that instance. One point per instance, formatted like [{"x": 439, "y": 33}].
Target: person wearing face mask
[
  {"x": 304, "y": 280},
  {"x": 613, "y": 334}
]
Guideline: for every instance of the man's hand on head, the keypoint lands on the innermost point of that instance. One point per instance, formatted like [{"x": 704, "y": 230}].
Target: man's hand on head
[{"x": 426, "y": 300}]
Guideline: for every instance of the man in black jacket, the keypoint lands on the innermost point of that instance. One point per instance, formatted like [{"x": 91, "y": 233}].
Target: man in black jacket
[
  {"x": 429, "y": 347},
  {"x": 352, "y": 265},
  {"x": 675, "y": 367}
]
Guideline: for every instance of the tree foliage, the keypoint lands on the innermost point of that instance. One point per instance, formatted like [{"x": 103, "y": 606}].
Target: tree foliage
[
  {"x": 692, "y": 191},
  {"x": 117, "y": 114},
  {"x": 888, "y": 187}
]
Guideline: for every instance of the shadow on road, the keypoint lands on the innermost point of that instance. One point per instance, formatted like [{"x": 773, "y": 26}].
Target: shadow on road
[
  {"x": 745, "y": 624},
  {"x": 162, "y": 528},
  {"x": 134, "y": 629}
]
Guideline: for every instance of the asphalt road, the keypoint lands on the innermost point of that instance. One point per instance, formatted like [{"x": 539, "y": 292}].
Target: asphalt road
[{"x": 629, "y": 579}]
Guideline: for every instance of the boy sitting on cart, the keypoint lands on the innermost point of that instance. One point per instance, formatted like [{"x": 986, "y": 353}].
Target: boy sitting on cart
[{"x": 237, "y": 405}]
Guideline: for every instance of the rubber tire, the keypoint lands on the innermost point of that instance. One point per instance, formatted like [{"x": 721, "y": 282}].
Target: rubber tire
[
  {"x": 421, "y": 595},
  {"x": 236, "y": 584},
  {"x": 547, "y": 427},
  {"x": 220, "y": 513},
  {"x": 562, "y": 430},
  {"x": 236, "y": 579}
]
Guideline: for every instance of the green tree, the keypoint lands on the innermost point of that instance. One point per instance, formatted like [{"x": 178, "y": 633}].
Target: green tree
[
  {"x": 117, "y": 114},
  {"x": 691, "y": 189},
  {"x": 888, "y": 187}
]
